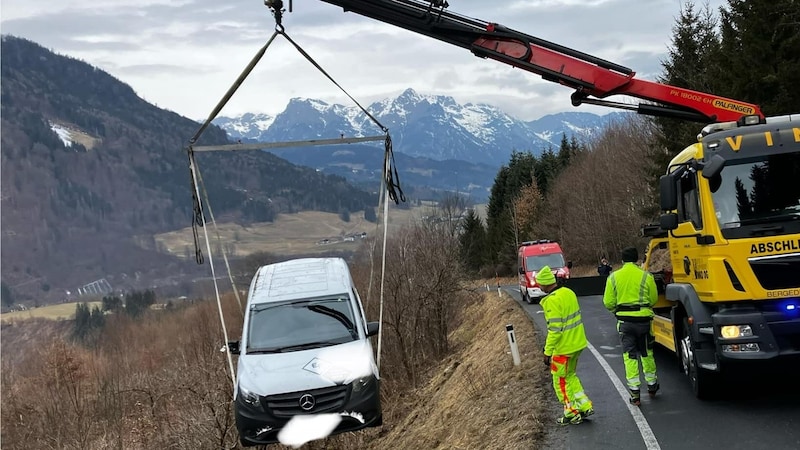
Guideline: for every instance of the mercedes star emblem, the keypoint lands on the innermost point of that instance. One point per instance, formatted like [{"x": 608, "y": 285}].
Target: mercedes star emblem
[{"x": 307, "y": 402}]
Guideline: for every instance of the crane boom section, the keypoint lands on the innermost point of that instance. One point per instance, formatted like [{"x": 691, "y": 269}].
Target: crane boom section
[{"x": 588, "y": 75}]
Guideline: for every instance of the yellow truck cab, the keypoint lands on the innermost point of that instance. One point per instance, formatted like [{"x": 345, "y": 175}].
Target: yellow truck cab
[{"x": 731, "y": 228}]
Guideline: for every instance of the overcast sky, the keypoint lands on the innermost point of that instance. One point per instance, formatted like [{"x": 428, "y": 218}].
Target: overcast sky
[{"x": 183, "y": 55}]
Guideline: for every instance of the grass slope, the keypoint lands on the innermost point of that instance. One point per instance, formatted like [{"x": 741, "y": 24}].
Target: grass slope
[{"x": 477, "y": 398}]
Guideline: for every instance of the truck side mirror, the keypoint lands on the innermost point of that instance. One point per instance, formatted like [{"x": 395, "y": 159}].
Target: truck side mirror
[
  {"x": 669, "y": 193},
  {"x": 521, "y": 271},
  {"x": 713, "y": 166},
  {"x": 233, "y": 347},
  {"x": 373, "y": 328},
  {"x": 569, "y": 264},
  {"x": 668, "y": 221}
]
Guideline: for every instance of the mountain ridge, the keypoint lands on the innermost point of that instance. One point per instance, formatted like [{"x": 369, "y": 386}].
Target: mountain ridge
[
  {"x": 439, "y": 144},
  {"x": 421, "y": 125}
]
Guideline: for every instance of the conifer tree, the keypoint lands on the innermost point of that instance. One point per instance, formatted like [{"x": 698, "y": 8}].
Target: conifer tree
[
  {"x": 760, "y": 61},
  {"x": 693, "y": 55},
  {"x": 472, "y": 242}
]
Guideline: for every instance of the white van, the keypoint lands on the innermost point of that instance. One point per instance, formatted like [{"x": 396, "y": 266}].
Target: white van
[{"x": 304, "y": 350}]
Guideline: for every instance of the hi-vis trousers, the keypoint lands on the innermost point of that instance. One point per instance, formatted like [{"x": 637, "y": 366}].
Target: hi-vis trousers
[
  {"x": 567, "y": 385},
  {"x": 637, "y": 341}
]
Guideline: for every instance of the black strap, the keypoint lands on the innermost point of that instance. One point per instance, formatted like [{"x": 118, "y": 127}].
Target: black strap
[
  {"x": 628, "y": 308},
  {"x": 633, "y": 318}
]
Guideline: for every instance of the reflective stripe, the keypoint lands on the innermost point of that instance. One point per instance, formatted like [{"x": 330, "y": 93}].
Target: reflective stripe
[
  {"x": 565, "y": 319},
  {"x": 573, "y": 325},
  {"x": 642, "y": 287},
  {"x": 614, "y": 286},
  {"x": 558, "y": 326}
]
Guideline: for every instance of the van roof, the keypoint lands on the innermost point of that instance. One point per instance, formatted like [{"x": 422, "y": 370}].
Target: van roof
[
  {"x": 540, "y": 249},
  {"x": 300, "y": 278}
]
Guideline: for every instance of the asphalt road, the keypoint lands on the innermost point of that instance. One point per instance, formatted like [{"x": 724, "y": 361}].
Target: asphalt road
[{"x": 759, "y": 408}]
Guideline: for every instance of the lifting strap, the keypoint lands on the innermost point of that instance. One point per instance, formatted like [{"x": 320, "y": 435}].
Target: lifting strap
[{"x": 390, "y": 186}]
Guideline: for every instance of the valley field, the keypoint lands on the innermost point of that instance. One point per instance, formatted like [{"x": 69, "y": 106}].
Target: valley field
[
  {"x": 60, "y": 311},
  {"x": 303, "y": 233}
]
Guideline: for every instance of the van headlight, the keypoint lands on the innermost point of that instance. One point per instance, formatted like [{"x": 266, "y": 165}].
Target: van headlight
[
  {"x": 362, "y": 383},
  {"x": 249, "y": 398}
]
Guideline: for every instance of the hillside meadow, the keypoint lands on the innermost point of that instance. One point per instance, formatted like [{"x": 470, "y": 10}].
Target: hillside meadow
[{"x": 301, "y": 233}]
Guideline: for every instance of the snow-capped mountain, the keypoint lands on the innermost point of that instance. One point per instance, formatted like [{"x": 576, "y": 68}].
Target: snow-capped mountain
[{"x": 430, "y": 126}]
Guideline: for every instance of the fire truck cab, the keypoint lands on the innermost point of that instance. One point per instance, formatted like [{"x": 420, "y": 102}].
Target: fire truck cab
[{"x": 532, "y": 256}]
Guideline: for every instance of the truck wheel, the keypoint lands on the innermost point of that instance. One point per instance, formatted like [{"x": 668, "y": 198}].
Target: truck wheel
[
  {"x": 535, "y": 300},
  {"x": 702, "y": 381}
]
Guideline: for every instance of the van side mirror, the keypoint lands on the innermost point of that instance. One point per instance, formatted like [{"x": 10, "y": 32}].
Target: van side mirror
[
  {"x": 233, "y": 347},
  {"x": 521, "y": 271},
  {"x": 569, "y": 264},
  {"x": 373, "y": 328},
  {"x": 668, "y": 221}
]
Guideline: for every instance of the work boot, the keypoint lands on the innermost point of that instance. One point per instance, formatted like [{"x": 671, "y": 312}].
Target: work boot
[
  {"x": 635, "y": 398},
  {"x": 652, "y": 389},
  {"x": 574, "y": 420},
  {"x": 587, "y": 413}
]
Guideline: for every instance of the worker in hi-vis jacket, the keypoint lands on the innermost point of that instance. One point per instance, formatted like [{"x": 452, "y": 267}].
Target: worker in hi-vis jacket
[
  {"x": 566, "y": 339},
  {"x": 631, "y": 294}
]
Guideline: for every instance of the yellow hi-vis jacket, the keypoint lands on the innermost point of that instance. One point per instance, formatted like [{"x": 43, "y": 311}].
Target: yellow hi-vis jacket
[
  {"x": 565, "y": 333},
  {"x": 630, "y": 293}
]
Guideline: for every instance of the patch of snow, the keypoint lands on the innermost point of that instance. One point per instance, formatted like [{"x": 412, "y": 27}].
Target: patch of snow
[
  {"x": 579, "y": 130},
  {"x": 63, "y": 133},
  {"x": 319, "y": 105},
  {"x": 546, "y": 136}
]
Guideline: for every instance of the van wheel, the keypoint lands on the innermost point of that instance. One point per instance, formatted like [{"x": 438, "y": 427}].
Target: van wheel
[
  {"x": 535, "y": 300},
  {"x": 703, "y": 381},
  {"x": 524, "y": 296}
]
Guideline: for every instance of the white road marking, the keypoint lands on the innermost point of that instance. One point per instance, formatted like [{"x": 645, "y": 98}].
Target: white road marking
[{"x": 648, "y": 436}]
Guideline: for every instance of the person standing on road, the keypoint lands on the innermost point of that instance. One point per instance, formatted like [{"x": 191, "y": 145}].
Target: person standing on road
[
  {"x": 604, "y": 269},
  {"x": 630, "y": 294},
  {"x": 566, "y": 339}
]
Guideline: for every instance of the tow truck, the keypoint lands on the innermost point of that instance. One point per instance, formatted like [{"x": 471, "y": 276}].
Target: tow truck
[{"x": 730, "y": 202}]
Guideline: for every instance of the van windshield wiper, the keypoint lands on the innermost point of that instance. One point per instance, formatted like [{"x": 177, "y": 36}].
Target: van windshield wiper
[
  {"x": 290, "y": 348},
  {"x": 261, "y": 351},
  {"x": 307, "y": 345}
]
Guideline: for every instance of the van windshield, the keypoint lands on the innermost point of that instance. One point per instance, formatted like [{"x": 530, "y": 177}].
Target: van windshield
[
  {"x": 534, "y": 263},
  {"x": 301, "y": 324}
]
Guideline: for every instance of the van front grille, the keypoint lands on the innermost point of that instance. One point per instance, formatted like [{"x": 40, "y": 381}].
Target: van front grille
[{"x": 323, "y": 400}]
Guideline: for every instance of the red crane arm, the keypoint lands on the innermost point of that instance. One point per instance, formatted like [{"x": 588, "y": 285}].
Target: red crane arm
[{"x": 593, "y": 78}]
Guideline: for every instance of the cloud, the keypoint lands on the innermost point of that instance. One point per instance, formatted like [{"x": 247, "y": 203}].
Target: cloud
[{"x": 183, "y": 55}]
